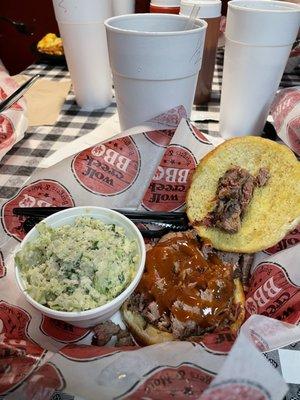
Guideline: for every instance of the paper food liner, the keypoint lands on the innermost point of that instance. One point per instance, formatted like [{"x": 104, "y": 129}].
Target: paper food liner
[
  {"x": 43, "y": 358},
  {"x": 13, "y": 122},
  {"x": 294, "y": 60},
  {"x": 285, "y": 111}
]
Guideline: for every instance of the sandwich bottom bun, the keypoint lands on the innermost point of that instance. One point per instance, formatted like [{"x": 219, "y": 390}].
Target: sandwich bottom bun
[
  {"x": 274, "y": 209},
  {"x": 147, "y": 333},
  {"x": 143, "y": 332}
]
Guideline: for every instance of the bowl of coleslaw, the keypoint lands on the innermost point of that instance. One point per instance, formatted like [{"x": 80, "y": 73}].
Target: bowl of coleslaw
[{"x": 79, "y": 265}]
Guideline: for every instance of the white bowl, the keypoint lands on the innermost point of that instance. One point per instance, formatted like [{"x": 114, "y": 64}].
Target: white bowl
[{"x": 94, "y": 316}]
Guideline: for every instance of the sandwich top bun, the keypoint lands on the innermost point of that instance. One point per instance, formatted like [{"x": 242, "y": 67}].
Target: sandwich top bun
[{"x": 274, "y": 209}]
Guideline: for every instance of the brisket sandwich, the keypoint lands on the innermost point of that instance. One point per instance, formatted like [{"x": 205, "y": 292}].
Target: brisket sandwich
[
  {"x": 244, "y": 197},
  {"x": 184, "y": 292}
]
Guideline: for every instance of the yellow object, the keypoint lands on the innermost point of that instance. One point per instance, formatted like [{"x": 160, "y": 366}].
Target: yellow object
[
  {"x": 274, "y": 209},
  {"x": 51, "y": 44}
]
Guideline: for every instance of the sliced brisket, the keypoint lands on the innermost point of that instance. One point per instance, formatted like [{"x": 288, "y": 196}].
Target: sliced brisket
[
  {"x": 144, "y": 303},
  {"x": 104, "y": 332},
  {"x": 262, "y": 177},
  {"x": 124, "y": 339},
  {"x": 234, "y": 193}
]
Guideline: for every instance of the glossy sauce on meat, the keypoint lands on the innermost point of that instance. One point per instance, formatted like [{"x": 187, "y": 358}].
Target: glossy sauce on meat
[{"x": 182, "y": 282}]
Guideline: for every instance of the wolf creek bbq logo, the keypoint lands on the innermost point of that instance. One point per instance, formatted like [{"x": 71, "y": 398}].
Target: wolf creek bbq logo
[
  {"x": 45, "y": 383},
  {"x": 236, "y": 390},
  {"x": 172, "y": 117},
  {"x": 6, "y": 132},
  {"x": 85, "y": 353},
  {"x": 108, "y": 169},
  {"x": 160, "y": 138},
  {"x": 167, "y": 190},
  {"x": 291, "y": 239},
  {"x": 284, "y": 102},
  {"x": 187, "y": 381},
  {"x": 2, "y": 266},
  {"x": 218, "y": 342},
  {"x": 18, "y": 353},
  {"x": 272, "y": 293},
  {"x": 42, "y": 193},
  {"x": 62, "y": 331},
  {"x": 198, "y": 134},
  {"x": 293, "y": 133}
]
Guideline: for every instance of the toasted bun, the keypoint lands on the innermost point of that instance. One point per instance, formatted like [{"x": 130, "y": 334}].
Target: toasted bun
[
  {"x": 274, "y": 209},
  {"x": 144, "y": 333},
  {"x": 148, "y": 334}
]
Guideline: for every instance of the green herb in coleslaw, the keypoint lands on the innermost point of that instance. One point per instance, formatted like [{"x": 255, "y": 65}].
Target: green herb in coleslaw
[{"x": 77, "y": 267}]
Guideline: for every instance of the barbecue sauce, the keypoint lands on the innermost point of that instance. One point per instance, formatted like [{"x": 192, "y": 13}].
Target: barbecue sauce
[{"x": 185, "y": 284}]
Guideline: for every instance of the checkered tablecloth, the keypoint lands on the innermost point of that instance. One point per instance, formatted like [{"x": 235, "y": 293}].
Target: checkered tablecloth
[{"x": 21, "y": 161}]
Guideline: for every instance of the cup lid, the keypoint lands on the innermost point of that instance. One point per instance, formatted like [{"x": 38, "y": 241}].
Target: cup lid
[
  {"x": 165, "y": 3},
  {"x": 208, "y": 8}
]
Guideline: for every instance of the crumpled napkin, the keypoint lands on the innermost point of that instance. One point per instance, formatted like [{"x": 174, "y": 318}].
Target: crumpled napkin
[{"x": 44, "y": 99}]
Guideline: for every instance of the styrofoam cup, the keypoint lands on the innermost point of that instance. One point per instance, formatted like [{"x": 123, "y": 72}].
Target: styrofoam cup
[
  {"x": 120, "y": 7},
  {"x": 259, "y": 37},
  {"x": 208, "y": 8},
  {"x": 84, "y": 39},
  {"x": 166, "y": 3},
  {"x": 155, "y": 63}
]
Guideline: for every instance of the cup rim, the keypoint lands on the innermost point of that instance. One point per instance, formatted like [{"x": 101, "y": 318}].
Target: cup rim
[
  {"x": 166, "y": 3},
  {"x": 208, "y": 8},
  {"x": 201, "y": 24},
  {"x": 287, "y": 7},
  {"x": 202, "y": 2},
  {"x": 110, "y": 304}
]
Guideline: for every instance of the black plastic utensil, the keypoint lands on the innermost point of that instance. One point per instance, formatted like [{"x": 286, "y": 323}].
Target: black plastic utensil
[
  {"x": 17, "y": 94},
  {"x": 154, "y": 224}
]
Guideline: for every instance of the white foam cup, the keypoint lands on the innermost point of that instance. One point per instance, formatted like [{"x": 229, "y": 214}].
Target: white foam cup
[
  {"x": 120, "y": 7},
  {"x": 81, "y": 26},
  {"x": 259, "y": 37},
  {"x": 208, "y": 8},
  {"x": 155, "y": 63}
]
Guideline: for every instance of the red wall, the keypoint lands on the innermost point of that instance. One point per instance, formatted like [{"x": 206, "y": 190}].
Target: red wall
[{"x": 15, "y": 48}]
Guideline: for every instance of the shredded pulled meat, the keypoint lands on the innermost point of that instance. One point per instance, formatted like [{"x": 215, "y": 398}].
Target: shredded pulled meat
[
  {"x": 168, "y": 323},
  {"x": 241, "y": 262},
  {"x": 124, "y": 338},
  {"x": 104, "y": 332},
  {"x": 143, "y": 303},
  {"x": 185, "y": 290},
  {"x": 234, "y": 193}
]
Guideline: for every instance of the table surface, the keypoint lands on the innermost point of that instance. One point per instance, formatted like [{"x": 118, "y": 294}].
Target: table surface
[{"x": 22, "y": 160}]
